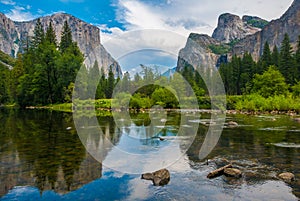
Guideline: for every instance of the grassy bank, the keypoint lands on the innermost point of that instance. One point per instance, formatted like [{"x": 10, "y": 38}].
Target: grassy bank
[
  {"x": 257, "y": 103},
  {"x": 247, "y": 103}
]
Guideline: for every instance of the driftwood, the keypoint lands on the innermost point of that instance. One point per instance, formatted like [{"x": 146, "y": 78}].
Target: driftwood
[{"x": 218, "y": 172}]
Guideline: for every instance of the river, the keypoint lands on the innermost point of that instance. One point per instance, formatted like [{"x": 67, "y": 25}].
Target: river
[{"x": 44, "y": 157}]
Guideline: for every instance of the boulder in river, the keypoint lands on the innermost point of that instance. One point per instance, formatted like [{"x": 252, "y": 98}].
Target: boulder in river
[
  {"x": 287, "y": 176},
  {"x": 232, "y": 124},
  {"x": 296, "y": 120},
  {"x": 159, "y": 178},
  {"x": 232, "y": 172}
]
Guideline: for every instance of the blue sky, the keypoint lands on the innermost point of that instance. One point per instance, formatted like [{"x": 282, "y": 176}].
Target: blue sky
[{"x": 118, "y": 17}]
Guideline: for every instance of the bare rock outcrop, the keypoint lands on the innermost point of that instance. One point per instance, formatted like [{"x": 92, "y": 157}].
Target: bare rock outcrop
[{"x": 232, "y": 27}]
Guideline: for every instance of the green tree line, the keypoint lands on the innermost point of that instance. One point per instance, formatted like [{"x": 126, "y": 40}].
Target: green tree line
[
  {"x": 276, "y": 71},
  {"x": 45, "y": 72}
]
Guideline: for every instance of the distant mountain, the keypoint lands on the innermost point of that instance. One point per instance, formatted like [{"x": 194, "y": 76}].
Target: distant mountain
[
  {"x": 169, "y": 73},
  {"x": 237, "y": 36},
  {"x": 14, "y": 34}
]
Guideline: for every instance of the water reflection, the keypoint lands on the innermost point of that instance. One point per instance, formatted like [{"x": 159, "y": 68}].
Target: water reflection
[
  {"x": 42, "y": 158},
  {"x": 147, "y": 145},
  {"x": 38, "y": 150}
]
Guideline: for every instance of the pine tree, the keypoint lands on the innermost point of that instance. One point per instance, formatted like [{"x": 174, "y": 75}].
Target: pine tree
[
  {"x": 15, "y": 74},
  {"x": 50, "y": 35},
  {"x": 66, "y": 37},
  {"x": 247, "y": 67},
  {"x": 236, "y": 74},
  {"x": 39, "y": 34},
  {"x": 266, "y": 58},
  {"x": 286, "y": 62},
  {"x": 297, "y": 59},
  {"x": 101, "y": 89},
  {"x": 93, "y": 80},
  {"x": 110, "y": 83},
  {"x": 275, "y": 56}
]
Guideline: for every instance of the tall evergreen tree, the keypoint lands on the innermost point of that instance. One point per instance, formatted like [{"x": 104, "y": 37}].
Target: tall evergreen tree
[
  {"x": 110, "y": 83},
  {"x": 297, "y": 59},
  {"x": 93, "y": 80},
  {"x": 266, "y": 56},
  {"x": 275, "y": 56},
  {"x": 15, "y": 75},
  {"x": 39, "y": 34},
  {"x": 66, "y": 37},
  {"x": 50, "y": 35},
  {"x": 101, "y": 89},
  {"x": 236, "y": 74},
  {"x": 286, "y": 63},
  {"x": 247, "y": 66}
]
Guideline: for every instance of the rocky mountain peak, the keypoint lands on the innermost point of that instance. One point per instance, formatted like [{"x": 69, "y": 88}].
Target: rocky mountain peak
[
  {"x": 197, "y": 52},
  {"x": 273, "y": 32},
  {"x": 86, "y": 35},
  {"x": 232, "y": 27}
]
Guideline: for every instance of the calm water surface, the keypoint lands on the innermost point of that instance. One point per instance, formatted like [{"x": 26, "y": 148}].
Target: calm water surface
[{"x": 43, "y": 158}]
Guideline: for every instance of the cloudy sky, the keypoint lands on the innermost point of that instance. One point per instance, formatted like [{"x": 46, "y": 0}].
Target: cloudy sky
[{"x": 116, "y": 17}]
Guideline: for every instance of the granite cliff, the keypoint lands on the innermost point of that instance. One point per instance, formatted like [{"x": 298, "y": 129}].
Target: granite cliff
[
  {"x": 13, "y": 34},
  {"x": 232, "y": 27},
  {"x": 236, "y": 36},
  {"x": 273, "y": 32}
]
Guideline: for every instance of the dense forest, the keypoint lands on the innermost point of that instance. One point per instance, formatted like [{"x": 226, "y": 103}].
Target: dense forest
[{"x": 45, "y": 74}]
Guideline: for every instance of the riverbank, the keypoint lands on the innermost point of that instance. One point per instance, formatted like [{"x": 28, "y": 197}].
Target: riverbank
[{"x": 247, "y": 104}]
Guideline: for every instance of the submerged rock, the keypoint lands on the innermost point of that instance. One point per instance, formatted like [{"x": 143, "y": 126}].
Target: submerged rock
[
  {"x": 159, "y": 178},
  {"x": 232, "y": 172},
  {"x": 287, "y": 176}
]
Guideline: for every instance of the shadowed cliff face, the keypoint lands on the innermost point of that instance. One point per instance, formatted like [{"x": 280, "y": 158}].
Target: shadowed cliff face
[{"x": 13, "y": 35}]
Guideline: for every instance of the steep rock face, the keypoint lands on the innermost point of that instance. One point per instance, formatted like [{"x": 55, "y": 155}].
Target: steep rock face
[
  {"x": 232, "y": 27},
  {"x": 9, "y": 37},
  {"x": 273, "y": 33},
  {"x": 197, "y": 52},
  {"x": 86, "y": 35}
]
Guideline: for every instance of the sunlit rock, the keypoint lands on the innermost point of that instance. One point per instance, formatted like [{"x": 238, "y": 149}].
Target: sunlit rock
[
  {"x": 159, "y": 178},
  {"x": 287, "y": 176},
  {"x": 232, "y": 172}
]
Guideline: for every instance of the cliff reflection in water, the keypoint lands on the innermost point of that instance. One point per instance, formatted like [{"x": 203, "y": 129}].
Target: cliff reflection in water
[{"x": 42, "y": 149}]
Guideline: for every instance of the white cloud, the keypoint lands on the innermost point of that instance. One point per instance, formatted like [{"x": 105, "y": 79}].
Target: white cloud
[
  {"x": 193, "y": 15},
  {"x": 40, "y": 11},
  {"x": 8, "y": 2},
  {"x": 180, "y": 17},
  {"x": 108, "y": 33},
  {"x": 20, "y": 14}
]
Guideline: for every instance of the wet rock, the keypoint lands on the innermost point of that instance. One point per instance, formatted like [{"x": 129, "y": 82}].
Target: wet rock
[
  {"x": 159, "y": 178},
  {"x": 147, "y": 176},
  {"x": 232, "y": 123},
  {"x": 297, "y": 120},
  {"x": 232, "y": 172},
  {"x": 287, "y": 176}
]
